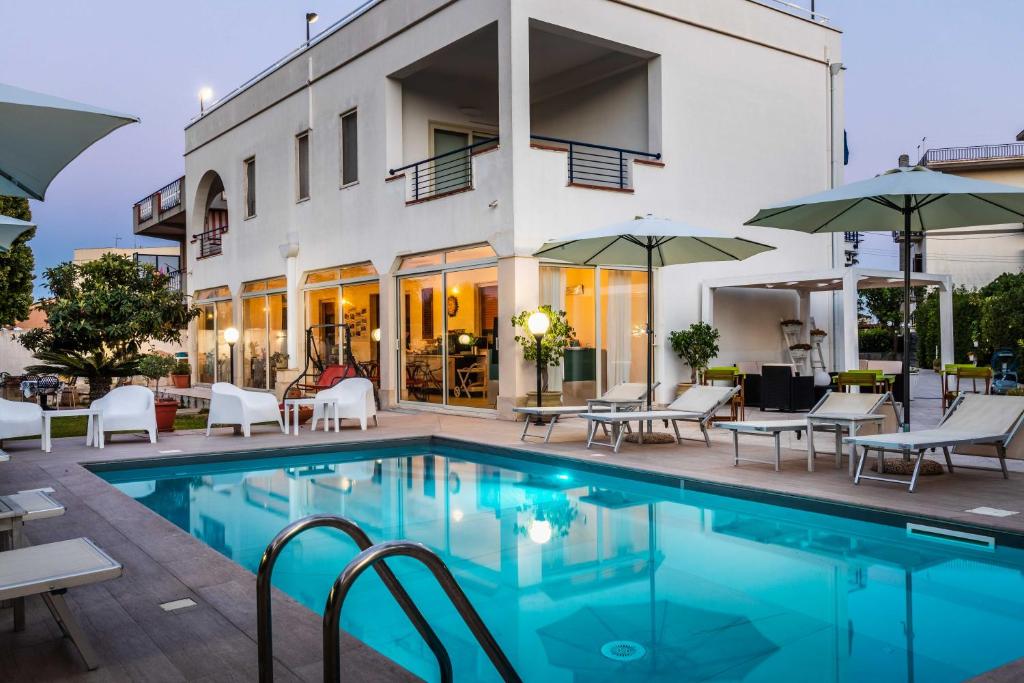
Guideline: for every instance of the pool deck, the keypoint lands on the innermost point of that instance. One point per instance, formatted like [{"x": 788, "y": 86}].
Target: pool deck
[{"x": 215, "y": 640}]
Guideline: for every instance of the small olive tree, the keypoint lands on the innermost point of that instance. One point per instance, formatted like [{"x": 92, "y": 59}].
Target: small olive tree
[
  {"x": 552, "y": 345},
  {"x": 696, "y": 345},
  {"x": 156, "y": 366}
]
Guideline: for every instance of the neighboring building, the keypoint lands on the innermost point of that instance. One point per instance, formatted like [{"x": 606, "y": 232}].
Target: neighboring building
[
  {"x": 399, "y": 172},
  {"x": 976, "y": 256}
]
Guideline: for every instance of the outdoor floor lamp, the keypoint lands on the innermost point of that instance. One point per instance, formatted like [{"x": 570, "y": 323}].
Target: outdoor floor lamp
[
  {"x": 231, "y": 336},
  {"x": 538, "y": 324}
]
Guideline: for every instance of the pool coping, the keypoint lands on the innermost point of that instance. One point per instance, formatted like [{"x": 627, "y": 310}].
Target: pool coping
[{"x": 806, "y": 503}]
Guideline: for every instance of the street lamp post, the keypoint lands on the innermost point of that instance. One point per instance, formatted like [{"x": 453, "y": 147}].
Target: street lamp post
[
  {"x": 231, "y": 336},
  {"x": 204, "y": 95},
  {"x": 538, "y": 324},
  {"x": 311, "y": 18}
]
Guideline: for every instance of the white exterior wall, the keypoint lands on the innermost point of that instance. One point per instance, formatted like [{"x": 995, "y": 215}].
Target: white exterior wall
[{"x": 740, "y": 126}]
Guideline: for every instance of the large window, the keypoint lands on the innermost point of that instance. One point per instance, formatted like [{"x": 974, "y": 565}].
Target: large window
[
  {"x": 348, "y": 295},
  {"x": 264, "y": 332},
  {"x": 250, "y": 186},
  {"x": 302, "y": 165},
  {"x": 448, "y": 322},
  {"x": 608, "y": 309},
  {"x": 349, "y": 148},
  {"x": 213, "y": 353}
]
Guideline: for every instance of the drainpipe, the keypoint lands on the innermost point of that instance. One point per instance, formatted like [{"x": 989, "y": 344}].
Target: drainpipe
[{"x": 290, "y": 252}]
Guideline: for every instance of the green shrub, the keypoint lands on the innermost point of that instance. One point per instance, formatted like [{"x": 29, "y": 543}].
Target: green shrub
[{"x": 876, "y": 340}]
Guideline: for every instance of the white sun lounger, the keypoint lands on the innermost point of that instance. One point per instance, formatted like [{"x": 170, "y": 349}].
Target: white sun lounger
[
  {"x": 698, "y": 404},
  {"x": 627, "y": 395},
  {"x": 971, "y": 419},
  {"x": 21, "y": 507},
  {"x": 838, "y": 412},
  {"x": 49, "y": 570}
]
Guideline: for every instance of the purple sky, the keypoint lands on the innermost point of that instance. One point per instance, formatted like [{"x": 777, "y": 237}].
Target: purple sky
[{"x": 945, "y": 69}]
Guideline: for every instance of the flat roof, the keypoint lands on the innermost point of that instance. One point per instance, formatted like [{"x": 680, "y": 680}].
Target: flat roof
[{"x": 830, "y": 280}]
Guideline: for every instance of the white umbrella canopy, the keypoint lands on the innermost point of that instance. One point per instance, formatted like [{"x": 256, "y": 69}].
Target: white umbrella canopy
[
  {"x": 908, "y": 200},
  {"x": 11, "y": 229},
  {"x": 41, "y": 134},
  {"x": 650, "y": 241}
]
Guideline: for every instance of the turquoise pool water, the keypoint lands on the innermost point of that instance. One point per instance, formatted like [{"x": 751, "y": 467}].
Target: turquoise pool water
[{"x": 563, "y": 564}]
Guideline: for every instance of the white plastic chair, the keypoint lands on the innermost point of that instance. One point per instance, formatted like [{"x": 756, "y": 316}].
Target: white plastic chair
[
  {"x": 19, "y": 419},
  {"x": 230, "y": 405},
  {"x": 351, "y": 398},
  {"x": 128, "y": 408}
]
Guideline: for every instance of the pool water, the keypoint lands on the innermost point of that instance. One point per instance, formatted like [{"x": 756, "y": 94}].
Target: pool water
[{"x": 584, "y": 577}]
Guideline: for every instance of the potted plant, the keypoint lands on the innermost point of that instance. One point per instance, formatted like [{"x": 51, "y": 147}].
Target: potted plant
[
  {"x": 799, "y": 352},
  {"x": 817, "y": 335},
  {"x": 155, "y": 366},
  {"x": 552, "y": 349},
  {"x": 696, "y": 345},
  {"x": 181, "y": 375},
  {"x": 792, "y": 326},
  {"x": 279, "y": 360}
]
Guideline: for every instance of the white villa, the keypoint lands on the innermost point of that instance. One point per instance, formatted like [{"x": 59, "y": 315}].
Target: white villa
[{"x": 398, "y": 173}]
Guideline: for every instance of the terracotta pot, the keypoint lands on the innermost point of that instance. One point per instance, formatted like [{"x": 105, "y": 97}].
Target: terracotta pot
[
  {"x": 181, "y": 381},
  {"x": 548, "y": 398},
  {"x": 166, "y": 410},
  {"x": 305, "y": 413}
]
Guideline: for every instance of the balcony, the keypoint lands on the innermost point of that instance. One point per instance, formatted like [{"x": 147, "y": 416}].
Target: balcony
[
  {"x": 167, "y": 265},
  {"x": 162, "y": 214},
  {"x": 210, "y": 242},
  {"x": 443, "y": 174},
  {"x": 994, "y": 156},
  {"x": 599, "y": 167}
]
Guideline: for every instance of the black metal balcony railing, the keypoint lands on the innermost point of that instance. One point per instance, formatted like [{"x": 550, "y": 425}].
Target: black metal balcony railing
[
  {"x": 976, "y": 153},
  {"x": 597, "y": 165},
  {"x": 173, "y": 279},
  {"x": 853, "y": 238},
  {"x": 445, "y": 173},
  {"x": 210, "y": 242}
]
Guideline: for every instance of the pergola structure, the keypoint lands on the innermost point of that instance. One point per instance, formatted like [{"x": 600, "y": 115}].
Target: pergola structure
[{"x": 848, "y": 281}]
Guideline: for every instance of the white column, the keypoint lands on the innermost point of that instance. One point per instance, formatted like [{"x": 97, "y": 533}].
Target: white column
[
  {"x": 290, "y": 252},
  {"x": 518, "y": 290},
  {"x": 851, "y": 343},
  {"x": 390, "y": 331},
  {"x": 946, "y": 323}
]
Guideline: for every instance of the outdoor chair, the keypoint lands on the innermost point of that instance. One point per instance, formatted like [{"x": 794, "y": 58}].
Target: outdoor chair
[
  {"x": 128, "y": 409},
  {"x": 624, "y": 396},
  {"x": 730, "y": 376},
  {"x": 782, "y": 390},
  {"x": 20, "y": 419},
  {"x": 698, "y": 404},
  {"x": 230, "y": 405},
  {"x": 349, "y": 399},
  {"x": 961, "y": 373},
  {"x": 49, "y": 571},
  {"x": 972, "y": 420},
  {"x": 836, "y": 412}
]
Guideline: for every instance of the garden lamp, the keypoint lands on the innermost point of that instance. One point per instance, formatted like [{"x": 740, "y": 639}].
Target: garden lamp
[
  {"x": 538, "y": 324},
  {"x": 311, "y": 18},
  {"x": 231, "y": 337},
  {"x": 205, "y": 95}
]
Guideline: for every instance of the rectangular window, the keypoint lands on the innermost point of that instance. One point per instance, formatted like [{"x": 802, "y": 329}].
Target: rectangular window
[
  {"x": 349, "y": 148},
  {"x": 250, "y": 187},
  {"x": 302, "y": 164}
]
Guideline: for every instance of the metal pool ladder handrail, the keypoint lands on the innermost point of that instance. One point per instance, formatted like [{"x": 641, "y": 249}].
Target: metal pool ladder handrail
[
  {"x": 264, "y": 635},
  {"x": 370, "y": 557}
]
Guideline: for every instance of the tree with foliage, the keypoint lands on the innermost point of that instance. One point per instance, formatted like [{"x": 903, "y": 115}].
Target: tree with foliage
[
  {"x": 100, "y": 316},
  {"x": 17, "y": 265},
  {"x": 552, "y": 345},
  {"x": 155, "y": 366},
  {"x": 696, "y": 345},
  {"x": 885, "y": 305},
  {"x": 966, "y": 317},
  {"x": 1002, "y": 315}
]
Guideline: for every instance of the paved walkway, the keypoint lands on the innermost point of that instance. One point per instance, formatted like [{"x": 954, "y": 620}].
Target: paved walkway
[{"x": 215, "y": 641}]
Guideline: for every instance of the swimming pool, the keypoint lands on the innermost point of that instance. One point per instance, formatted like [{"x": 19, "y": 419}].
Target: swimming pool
[{"x": 582, "y": 576}]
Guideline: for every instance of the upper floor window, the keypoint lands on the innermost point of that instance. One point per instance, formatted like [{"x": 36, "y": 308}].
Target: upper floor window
[
  {"x": 349, "y": 148},
  {"x": 250, "y": 187},
  {"x": 302, "y": 164}
]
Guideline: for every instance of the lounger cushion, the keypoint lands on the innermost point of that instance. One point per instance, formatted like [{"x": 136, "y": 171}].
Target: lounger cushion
[
  {"x": 700, "y": 399},
  {"x": 52, "y": 566}
]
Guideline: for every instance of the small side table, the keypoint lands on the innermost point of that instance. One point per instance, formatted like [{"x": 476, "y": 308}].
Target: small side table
[
  {"x": 772, "y": 428},
  {"x": 840, "y": 422},
  {"x": 94, "y": 425},
  {"x": 292, "y": 406}
]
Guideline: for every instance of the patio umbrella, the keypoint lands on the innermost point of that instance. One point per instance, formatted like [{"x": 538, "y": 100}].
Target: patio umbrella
[
  {"x": 685, "y": 644},
  {"x": 10, "y": 230},
  {"x": 41, "y": 134},
  {"x": 651, "y": 242},
  {"x": 907, "y": 200}
]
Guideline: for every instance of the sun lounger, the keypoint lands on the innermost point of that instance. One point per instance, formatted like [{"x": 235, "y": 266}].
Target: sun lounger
[
  {"x": 625, "y": 396},
  {"x": 698, "y": 404},
  {"x": 18, "y": 508},
  {"x": 49, "y": 570},
  {"x": 838, "y": 412},
  {"x": 971, "y": 419}
]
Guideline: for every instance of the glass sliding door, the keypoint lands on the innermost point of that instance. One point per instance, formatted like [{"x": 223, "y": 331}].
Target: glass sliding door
[
  {"x": 277, "y": 337},
  {"x": 572, "y": 290},
  {"x": 254, "y": 342},
  {"x": 360, "y": 306},
  {"x": 322, "y": 309},
  {"x": 623, "y": 314},
  {"x": 213, "y": 354},
  {"x": 471, "y": 316},
  {"x": 421, "y": 319}
]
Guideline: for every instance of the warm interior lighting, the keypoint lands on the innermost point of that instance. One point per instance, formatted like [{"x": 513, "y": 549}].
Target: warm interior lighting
[
  {"x": 375, "y": 335},
  {"x": 538, "y": 323},
  {"x": 465, "y": 339}
]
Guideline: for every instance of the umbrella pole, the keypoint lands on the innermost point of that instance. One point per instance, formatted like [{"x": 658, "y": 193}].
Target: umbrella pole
[
  {"x": 650, "y": 325},
  {"x": 907, "y": 213}
]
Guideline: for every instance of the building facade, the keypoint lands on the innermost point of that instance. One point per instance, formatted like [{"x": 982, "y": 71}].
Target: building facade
[
  {"x": 976, "y": 256},
  {"x": 398, "y": 173}
]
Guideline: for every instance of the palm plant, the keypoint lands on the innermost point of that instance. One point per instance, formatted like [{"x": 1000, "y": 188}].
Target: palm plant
[{"x": 98, "y": 367}]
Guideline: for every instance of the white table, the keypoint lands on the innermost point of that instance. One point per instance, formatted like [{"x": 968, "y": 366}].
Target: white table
[
  {"x": 94, "y": 425},
  {"x": 292, "y": 407},
  {"x": 772, "y": 428},
  {"x": 840, "y": 422}
]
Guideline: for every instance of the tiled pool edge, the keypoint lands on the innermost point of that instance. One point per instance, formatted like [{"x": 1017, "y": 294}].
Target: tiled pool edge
[{"x": 847, "y": 510}]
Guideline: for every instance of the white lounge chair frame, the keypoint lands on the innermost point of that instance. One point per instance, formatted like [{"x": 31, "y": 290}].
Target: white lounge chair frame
[
  {"x": 947, "y": 436},
  {"x": 127, "y": 408},
  {"x": 619, "y": 397},
  {"x": 48, "y": 571},
  {"x": 230, "y": 405},
  {"x": 351, "y": 398},
  {"x": 669, "y": 415}
]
